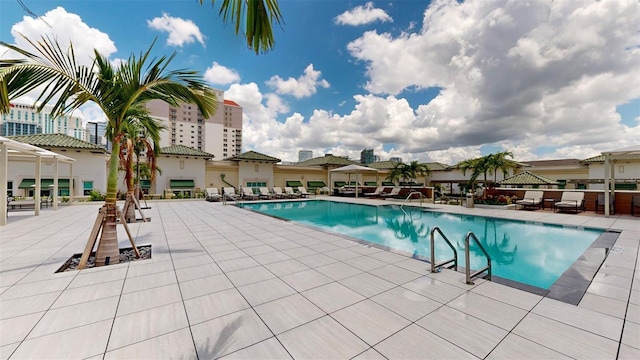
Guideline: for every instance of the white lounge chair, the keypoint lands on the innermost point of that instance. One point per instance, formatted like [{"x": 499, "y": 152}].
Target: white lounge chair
[
  {"x": 532, "y": 199},
  {"x": 379, "y": 191},
  {"x": 230, "y": 193},
  {"x": 247, "y": 193},
  {"x": 302, "y": 191},
  {"x": 570, "y": 201},
  {"x": 213, "y": 195},
  {"x": 277, "y": 190},
  {"x": 264, "y": 193},
  {"x": 394, "y": 192},
  {"x": 288, "y": 190}
]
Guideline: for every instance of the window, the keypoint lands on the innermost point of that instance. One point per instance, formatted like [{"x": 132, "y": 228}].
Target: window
[
  {"x": 256, "y": 184},
  {"x": 10, "y": 188}
]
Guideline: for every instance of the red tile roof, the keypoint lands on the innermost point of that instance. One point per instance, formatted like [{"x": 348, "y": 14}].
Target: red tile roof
[{"x": 231, "y": 102}]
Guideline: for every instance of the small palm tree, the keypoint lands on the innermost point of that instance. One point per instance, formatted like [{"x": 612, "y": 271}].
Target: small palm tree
[
  {"x": 140, "y": 134},
  {"x": 118, "y": 91},
  {"x": 500, "y": 161}
]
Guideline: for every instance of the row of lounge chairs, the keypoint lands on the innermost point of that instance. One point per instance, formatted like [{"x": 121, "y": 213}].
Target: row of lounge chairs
[
  {"x": 381, "y": 193},
  {"x": 247, "y": 193},
  {"x": 570, "y": 201}
]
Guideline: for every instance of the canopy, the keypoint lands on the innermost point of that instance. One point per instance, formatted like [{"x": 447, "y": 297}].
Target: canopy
[
  {"x": 354, "y": 169},
  {"x": 610, "y": 157}
]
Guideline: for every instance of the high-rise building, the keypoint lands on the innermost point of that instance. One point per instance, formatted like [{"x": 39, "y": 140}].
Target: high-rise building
[
  {"x": 96, "y": 134},
  {"x": 26, "y": 120},
  {"x": 304, "y": 155},
  {"x": 220, "y": 134},
  {"x": 367, "y": 156},
  {"x": 396, "y": 159}
]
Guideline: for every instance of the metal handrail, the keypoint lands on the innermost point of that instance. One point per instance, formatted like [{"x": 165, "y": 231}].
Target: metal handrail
[
  {"x": 467, "y": 269},
  {"x": 236, "y": 199},
  {"x": 411, "y": 194},
  {"x": 436, "y": 267}
]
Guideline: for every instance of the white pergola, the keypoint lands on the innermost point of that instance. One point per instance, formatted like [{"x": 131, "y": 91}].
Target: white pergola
[
  {"x": 11, "y": 150},
  {"x": 610, "y": 158},
  {"x": 352, "y": 169}
]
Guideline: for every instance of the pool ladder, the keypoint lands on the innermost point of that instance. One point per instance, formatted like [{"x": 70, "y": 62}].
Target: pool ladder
[
  {"x": 437, "y": 267},
  {"x": 422, "y": 197}
]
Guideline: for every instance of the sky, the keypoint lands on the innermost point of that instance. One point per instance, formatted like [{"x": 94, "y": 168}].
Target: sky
[{"x": 440, "y": 80}]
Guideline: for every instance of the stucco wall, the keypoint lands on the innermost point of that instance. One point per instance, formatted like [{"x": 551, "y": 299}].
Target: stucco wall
[{"x": 87, "y": 167}]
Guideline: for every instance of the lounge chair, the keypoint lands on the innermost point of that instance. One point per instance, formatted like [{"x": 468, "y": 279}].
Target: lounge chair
[
  {"x": 303, "y": 192},
  {"x": 570, "y": 201},
  {"x": 379, "y": 191},
  {"x": 230, "y": 193},
  {"x": 213, "y": 195},
  {"x": 635, "y": 205},
  {"x": 288, "y": 190},
  {"x": 600, "y": 204},
  {"x": 394, "y": 192},
  {"x": 247, "y": 193},
  {"x": 532, "y": 199},
  {"x": 265, "y": 194},
  {"x": 277, "y": 190}
]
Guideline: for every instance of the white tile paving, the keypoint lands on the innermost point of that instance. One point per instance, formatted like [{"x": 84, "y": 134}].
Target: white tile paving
[{"x": 246, "y": 286}]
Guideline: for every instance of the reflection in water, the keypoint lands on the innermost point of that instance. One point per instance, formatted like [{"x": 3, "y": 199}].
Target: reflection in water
[
  {"x": 533, "y": 254},
  {"x": 407, "y": 228},
  {"x": 500, "y": 251}
]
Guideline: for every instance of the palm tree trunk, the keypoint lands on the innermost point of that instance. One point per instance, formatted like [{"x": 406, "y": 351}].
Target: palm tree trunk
[
  {"x": 130, "y": 204},
  {"x": 108, "y": 245}
]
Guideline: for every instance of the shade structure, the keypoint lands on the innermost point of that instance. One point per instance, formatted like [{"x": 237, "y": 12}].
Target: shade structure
[
  {"x": 610, "y": 158},
  {"x": 353, "y": 169}
]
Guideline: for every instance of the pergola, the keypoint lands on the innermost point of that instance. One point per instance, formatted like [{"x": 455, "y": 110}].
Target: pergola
[
  {"x": 610, "y": 158},
  {"x": 11, "y": 150},
  {"x": 352, "y": 169}
]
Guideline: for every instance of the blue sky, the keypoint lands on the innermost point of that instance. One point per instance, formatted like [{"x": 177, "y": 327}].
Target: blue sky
[{"x": 441, "y": 81}]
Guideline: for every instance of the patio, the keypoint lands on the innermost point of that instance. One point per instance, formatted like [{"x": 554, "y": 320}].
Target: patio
[{"x": 227, "y": 282}]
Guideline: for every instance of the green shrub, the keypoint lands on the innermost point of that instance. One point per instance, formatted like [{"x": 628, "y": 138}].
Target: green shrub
[
  {"x": 65, "y": 199},
  {"x": 96, "y": 195}
]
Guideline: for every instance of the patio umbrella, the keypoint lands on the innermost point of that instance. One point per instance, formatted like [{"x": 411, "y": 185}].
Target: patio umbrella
[{"x": 354, "y": 169}]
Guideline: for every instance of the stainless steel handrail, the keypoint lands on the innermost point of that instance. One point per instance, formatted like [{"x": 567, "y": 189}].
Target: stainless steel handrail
[
  {"x": 411, "y": 194},
  {"x": 467, "y": 269},
  {"x": 436, "y": 267}
]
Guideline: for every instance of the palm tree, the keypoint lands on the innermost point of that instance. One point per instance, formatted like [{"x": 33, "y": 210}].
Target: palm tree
[
  {"x": 408, "y": 172},
  {"x": 116, "y": 90},
  {"x": 500, "y": 161},
  {"x": 140, "y": 134},
  {"x": 477, "y": 166},
  {"x": 257, "y": 15}
]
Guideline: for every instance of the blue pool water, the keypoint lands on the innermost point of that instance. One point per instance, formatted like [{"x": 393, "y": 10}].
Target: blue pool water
[{"x": 533, "y": 254}]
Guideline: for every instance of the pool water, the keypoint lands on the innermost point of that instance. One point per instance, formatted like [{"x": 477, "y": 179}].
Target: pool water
[{"x": 533, "y": 254}]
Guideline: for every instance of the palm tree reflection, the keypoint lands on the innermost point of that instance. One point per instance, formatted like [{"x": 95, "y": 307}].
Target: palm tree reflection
[
  {"x": 501, "y": 251},
  {"x": 407, "y": 228}
]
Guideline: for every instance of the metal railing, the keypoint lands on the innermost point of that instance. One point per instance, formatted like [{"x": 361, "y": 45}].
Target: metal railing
[
  {"x": 422, "y": 197},
  {"x": 467, "y": 269},
  {"x": 235, "y": 198},
  {"x": 436, "y": 267}
]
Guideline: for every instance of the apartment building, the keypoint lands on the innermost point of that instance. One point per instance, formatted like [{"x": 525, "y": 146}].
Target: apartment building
[
  {"x": 24, "y": 119},
  {"x": 220, "y": 134}
]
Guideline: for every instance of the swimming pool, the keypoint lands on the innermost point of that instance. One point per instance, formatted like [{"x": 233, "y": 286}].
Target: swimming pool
[{"x": 532, "y": 254}]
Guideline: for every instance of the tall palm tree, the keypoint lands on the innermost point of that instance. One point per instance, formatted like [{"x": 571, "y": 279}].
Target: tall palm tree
[
  {"x": 140, "y": 134},
  {"x": 257, "y": 15},
  {"x": 408, "y": 172},
  {"x": 477, "y": 166},
  {"x": 116, "y": 90}
]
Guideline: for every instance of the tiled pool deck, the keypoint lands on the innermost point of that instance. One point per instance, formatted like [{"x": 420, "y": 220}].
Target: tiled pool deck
[{"x": 227, "y": 282}]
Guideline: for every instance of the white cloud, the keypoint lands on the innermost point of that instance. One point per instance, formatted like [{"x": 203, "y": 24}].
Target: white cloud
[
  {"x": 65, "y": 28},
  {"x": 361, "y": 15},
  {"x": 530, "y": 74},
  {"x": 180, "y": 31},
  {"x": 218, "y": 74},
  {"x": 304, "y": 86}
]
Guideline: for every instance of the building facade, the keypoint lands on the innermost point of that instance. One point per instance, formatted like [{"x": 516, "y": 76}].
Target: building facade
[
  {"x": 26, "y": 120},
  {"x": 219, "y": 134}
]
